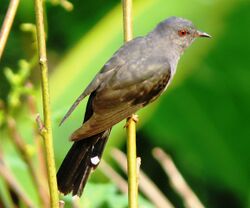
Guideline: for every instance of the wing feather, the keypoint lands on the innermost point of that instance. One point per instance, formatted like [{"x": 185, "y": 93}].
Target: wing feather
[
  {"x": 120, "y": 96},
  {"x": 112, "y": 65}
]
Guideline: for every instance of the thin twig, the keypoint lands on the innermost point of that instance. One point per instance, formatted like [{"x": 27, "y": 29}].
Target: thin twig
[
  {"x": 178, "y": 182},
  {"x": 7, "y": 24},
  {"x": 76, "y": 202},
  {"x": 114, "y": 176},
  {"x": 61, "y": 204},
  {"x": 47, "y": 134},
  {"x": 138, "y": 166},
  {"x": 10, "y": 200},
  {"x": 40, "y": 124},
  {"x": 12, "y": 182},
  {"x": 21, "y": 147},
  {"x": 131, "y": 124},
  {"x": 148, "y": 188},
  {"x": 68, "y": 6}
]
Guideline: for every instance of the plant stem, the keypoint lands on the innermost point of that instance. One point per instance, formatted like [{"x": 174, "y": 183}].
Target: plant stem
[
  {"x": 47, "y": 131},
  {"x": 127, "y": 20},
  {"x": 131, "y": 124},
  {"x": 8, "y": 20},
  {"x": 132, "y": 164}
]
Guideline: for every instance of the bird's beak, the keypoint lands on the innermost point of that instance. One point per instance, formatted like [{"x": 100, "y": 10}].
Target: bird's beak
[{"x": 202, "y": 34}]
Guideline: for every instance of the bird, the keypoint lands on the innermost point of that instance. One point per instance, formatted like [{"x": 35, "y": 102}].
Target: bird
[{"x": 135, "y": 76}]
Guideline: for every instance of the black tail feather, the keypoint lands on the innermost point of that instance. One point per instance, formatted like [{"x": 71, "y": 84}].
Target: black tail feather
[
  {"x": 76, "y": 167},
  {"x": 82, "y": 175}
]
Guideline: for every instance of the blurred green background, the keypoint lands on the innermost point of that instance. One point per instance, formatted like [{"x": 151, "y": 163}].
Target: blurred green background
[{"x": 202, "y": 121}]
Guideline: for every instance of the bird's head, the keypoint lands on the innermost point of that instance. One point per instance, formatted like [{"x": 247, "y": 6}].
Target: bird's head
[{"x": 179, "y": 31}]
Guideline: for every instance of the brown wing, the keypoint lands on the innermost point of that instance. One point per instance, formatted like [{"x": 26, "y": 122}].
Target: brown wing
[
  {"x": 113, "y": 64},
  {"x": 121, "y": 96}
]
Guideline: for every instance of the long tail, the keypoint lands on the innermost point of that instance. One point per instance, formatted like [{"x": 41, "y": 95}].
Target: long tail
[{"x": 83, "y": 156}]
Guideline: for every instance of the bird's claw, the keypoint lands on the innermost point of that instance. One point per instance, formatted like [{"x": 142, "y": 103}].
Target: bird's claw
[{"x": 134, "y": 117}]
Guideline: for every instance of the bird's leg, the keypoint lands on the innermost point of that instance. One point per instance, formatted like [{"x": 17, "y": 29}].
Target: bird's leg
[{"x": 134, "y": 117}]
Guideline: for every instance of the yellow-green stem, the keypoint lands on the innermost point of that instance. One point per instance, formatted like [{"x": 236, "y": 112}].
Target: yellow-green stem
[
  {"x": 47, "y": 132},
  {"x": 131, "y": 124},
  {"x": 127, "y": 20},
  {"x": 132, "y": 164}
]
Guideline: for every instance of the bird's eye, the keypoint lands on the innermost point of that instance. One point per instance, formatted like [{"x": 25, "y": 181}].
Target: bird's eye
[{"x": 182, "y": 33}]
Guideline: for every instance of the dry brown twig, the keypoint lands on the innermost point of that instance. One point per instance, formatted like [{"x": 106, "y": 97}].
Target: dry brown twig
[
  {"x": 146, "y": 185},
  {"x": 9, "y": 178},
  {"x": 7, "y": 24},
  {"x": 76, "y": 202},
  {"x": 67, "y": 5},
  {"x": 114, "y": 176},
  {"x": 177, "y": 181},
  {"x": 61, "y": 204},
  {"x": 22, "y": 149}
]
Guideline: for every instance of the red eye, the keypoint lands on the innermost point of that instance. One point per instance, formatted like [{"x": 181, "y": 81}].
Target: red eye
[{"x": 182, "y": 33}]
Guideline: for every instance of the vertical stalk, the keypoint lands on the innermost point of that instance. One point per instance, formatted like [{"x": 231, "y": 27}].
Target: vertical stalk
[
  {"x": 47, "y": 131},
  {"x": 132, "y": 164},
  {"x": 131, "y": 124},
  {"x": 127, "y": 20},
  {"x": 8, "y": 20}
]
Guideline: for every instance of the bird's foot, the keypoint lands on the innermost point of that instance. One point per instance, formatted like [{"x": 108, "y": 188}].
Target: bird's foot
[{"x": 134, "y": 117}]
